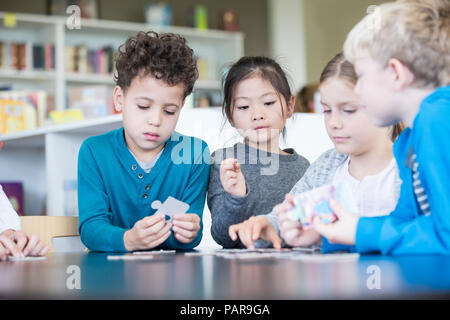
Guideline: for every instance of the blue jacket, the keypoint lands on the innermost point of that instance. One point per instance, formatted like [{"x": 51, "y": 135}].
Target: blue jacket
[
  {"x": 114, "y": 192},
  {"x": 407, "y": 230}
]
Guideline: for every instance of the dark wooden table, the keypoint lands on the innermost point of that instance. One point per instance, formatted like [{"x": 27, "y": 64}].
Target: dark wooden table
[{"x": 179, "y": 276}]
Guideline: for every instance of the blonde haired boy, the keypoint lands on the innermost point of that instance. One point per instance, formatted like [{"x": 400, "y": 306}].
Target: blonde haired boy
[{"x": 401, "y": 54}]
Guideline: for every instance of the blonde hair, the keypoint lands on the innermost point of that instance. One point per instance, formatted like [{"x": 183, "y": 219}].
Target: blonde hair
[{"x": 416, "y": 32}]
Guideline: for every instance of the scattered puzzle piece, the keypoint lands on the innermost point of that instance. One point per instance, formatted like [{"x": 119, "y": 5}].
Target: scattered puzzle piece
[
  {"x": 29, "y": 258},
  {"x": 129, "y": 257},
  {"x": 154, "y": 252}
]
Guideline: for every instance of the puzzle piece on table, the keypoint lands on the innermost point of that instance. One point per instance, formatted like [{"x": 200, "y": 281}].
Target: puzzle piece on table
[
  {"x": 29, "y": 258},
  {"x": 129, "y": 257},
  {"x": 329, "y": 257},
  {"x": 249, "y": 255},
  {"x": 170, "y": 207},
  {"x": 306, "y": 249},
  {"x": 155, "y": 252},
  {"x": 200, "y": 253}
]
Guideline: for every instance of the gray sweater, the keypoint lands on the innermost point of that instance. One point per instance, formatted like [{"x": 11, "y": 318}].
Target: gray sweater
[{"x": 268, "y": 177}]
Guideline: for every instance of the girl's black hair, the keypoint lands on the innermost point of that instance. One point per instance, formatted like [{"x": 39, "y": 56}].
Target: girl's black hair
[{"x": 247, "y": 67}]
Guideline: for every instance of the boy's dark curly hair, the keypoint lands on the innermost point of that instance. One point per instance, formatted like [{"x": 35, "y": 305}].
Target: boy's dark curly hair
[{"x": 165, "y": 56}]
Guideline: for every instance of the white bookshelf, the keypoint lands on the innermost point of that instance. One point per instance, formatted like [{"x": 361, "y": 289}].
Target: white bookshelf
[{"x": 218, "y": 48}]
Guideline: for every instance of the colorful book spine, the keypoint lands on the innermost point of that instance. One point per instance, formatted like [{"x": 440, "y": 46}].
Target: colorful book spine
[
  {"x": 30, "y": 56},
  {"x": 86, "y": 60},
  {"x": 3, "y": 55},
  {"x": 22, "y": 110},
  {"x": 49, "y": 57},
  {"x": 14, "y": 192},
  {"x": 37, "y": 57}
]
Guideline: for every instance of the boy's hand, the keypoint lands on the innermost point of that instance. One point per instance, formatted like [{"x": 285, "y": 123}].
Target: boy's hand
[
  {"x": 232, "y": 178},
  {"x": 147, "y": 233},
  {"x": 253, "y": 229},
  {"x": 343, "y": 230},
  {"x": 185, "y": 226}
]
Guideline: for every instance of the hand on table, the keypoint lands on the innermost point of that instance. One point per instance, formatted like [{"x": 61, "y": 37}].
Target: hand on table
[
  {"x": 252, "y": 229},
  {"x": 19, "y": 245}
]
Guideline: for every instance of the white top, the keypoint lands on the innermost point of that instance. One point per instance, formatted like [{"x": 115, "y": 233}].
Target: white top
[
  {"x": 8, "y": 216},
  {"x": 375, "y": 195},
  {"x": 147, "y": 166}
]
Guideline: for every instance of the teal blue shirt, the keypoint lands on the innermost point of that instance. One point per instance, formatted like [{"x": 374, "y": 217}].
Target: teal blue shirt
[{"x": 114, "y": 192}]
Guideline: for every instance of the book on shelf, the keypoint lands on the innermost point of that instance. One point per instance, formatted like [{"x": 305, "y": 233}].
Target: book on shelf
[
  {"x": 84, "y": 60},
  {"x": 3, "y": 55},
  {"x": 66, "y": 116},
  {"x": 207, "y": 68},
  {"x": 93, "y": 101},
  {"x": 27, "y": 56},
  {"x": 23, "y": 110},
  {"x": 14, "y": 192},
  {"x": 18, "y": 56}
]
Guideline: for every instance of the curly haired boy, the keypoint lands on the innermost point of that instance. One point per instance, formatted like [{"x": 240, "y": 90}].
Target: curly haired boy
[{"x": 121, "y": 173}]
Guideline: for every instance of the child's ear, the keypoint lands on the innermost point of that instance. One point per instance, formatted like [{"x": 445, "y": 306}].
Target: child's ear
[
  {"x": 291, "y": 107},
  {"x": 402, "y": 77},
  {"x": 118, "y": 99}
]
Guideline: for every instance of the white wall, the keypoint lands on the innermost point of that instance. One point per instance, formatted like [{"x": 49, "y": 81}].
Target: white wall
[{"x": 287, "y": 38}]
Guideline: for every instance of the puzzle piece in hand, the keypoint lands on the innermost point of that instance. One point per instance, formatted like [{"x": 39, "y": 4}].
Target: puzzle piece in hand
[
  {"x": 311, "y": 203},
  {"x": 315, "y": 203},
  {"x": 170, "y": 207}
]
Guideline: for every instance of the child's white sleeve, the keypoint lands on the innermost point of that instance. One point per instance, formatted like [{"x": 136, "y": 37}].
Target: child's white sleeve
[{"x": 8, "y": 216}]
